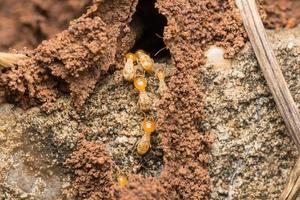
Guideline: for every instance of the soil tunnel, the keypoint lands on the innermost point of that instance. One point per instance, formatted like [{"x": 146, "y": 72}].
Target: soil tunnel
[{"x": 153, "y": 24}]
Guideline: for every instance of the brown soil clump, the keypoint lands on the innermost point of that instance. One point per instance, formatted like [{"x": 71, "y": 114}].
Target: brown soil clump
[
  {"x": 92, "y": 168},
  {"x": 72, "y": 61},
  {"x": 185, "y": 175},
  {"x": 281, "y": 13},
  {"x": 195, "y": 25},
  {"x": 186, "y": 148},
  {"x": 142, "y": 189},
  {"x": 27, "y": 23}
]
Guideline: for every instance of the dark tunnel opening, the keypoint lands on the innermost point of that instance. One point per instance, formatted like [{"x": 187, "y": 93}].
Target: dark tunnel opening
[{"x": 153, "y": 24}]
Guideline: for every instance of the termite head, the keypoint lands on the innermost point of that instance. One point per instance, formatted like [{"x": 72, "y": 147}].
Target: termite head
[
  {"x": 160, "y": 73},
  {"x": 148, "y": 125},
  {"x": 131, "y": 56},
  {"x": 140, "y": 53},
  {"x": 129, "y": 69},
  {"x": 140, "y": 83},
  {"x": 122, "y": 180}
]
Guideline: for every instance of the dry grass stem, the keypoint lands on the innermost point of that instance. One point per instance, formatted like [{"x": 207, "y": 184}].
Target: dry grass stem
[
  {"x": 8, "y": 60},
  {"x": 292, "y": 188},
  {"x": 276, "y": 82}
]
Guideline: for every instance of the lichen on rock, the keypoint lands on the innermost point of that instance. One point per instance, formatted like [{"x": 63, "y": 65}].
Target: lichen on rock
[{"x": 253, "y": 154}]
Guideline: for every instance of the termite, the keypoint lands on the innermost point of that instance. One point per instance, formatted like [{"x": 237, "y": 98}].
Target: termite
[
  {"x": 145, "y": 142},
  {"x": 122, "y": 180},
  {"x": 145, "y": 102},
  {"x": 129, "y": 69},
  {"x": 148, "y": 125},
  {"x": 160, "y": 73},
  {"x": 145, "y": 61}
]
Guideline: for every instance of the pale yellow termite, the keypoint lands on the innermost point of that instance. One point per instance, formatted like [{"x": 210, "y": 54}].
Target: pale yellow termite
[
  {"x": 144, "y": 144},
  {"x": 145, "y": 61},
  {"x": 145, "y": 102},
  {"x": 129, "y": 69},
  {"x": 122, "y": 180},
  {"x": 160, "y": 73}
]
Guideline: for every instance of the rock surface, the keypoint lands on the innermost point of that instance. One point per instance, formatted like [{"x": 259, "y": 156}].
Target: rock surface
[{"x": 252, "y": 155}]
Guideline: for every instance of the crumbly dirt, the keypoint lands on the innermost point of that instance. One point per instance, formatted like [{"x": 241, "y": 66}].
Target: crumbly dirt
[
  {"x": 186, "y": 148},
  {"x": 253, "y": 153},
  {"x": 141, "y": 188},
  {"x": 71, "y": 63},
  {"x": 73, "y": 60},
  {"x": 27, "y": 23},
  {"x": 92, "y": 169},
  {"x": 281, "y": 13}
]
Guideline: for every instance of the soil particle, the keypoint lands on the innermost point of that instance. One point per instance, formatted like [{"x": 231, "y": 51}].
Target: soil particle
[
  {"x": 26, "y": 23},
  {"x": 141, "y": 188},
  {"x": 281, "y": 13},
  {"x": 92, "y": 168},
  {"x": 185, "y": 174},
  {"x": 73, "y": 60}
]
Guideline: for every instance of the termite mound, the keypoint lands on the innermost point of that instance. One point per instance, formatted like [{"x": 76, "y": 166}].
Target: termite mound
[{"x": 91, "y": 50}]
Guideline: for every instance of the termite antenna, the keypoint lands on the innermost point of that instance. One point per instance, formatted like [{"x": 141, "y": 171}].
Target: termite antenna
[
  {"x": 159, "y": 36},
  {"x": 159, "y": 51}
]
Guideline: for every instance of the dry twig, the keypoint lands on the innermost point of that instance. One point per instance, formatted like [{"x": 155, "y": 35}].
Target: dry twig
[
  {"x": 276, "y": 82},
  {"x": 292, "y": 188},
  {"x": 8, "y": 60}
]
